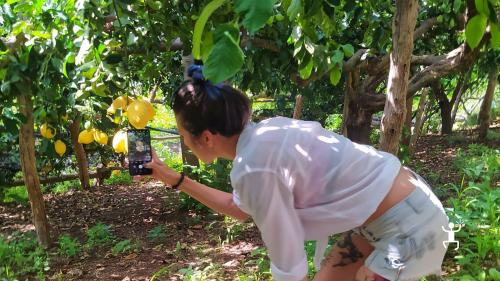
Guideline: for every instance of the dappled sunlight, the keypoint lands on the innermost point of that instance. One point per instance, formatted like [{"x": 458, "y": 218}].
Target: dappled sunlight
[
  {"x": 303, "y": 152},
  {"x": 261, "y": 131},
  {"x": 329, "y": 140},
  {"x": 367, "y": 150}
]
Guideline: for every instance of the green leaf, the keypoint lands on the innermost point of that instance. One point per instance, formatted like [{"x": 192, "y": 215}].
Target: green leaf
[
  {"x": 294, "y": 9},
  {"x": 256, "y": 13},
  {"x": 58, "y": 64},
  {"x": 200, "y": 25},
  {"x": 474, "y": 30},
  {"x": 207, "y": 45},
  {"x": 348, "y": 50},
  {"x": 337, "y": 57},
  {"x": 296, "y": 33},
  {"x": 131, "y": 39},
  {"x": 495, "y": 35},
  {"x": 310, "y": 47},
  {"x": 225, "y": 59},
  {"x": 335, "y": 75},
  {"x": 83, "y": 52},
  {"x": 44, "y": 35},
  {"x": 494, "y": 274},
  {"x": 482, "y": 7},
  {"x": 456, "y": 5},
  {"x": 306, "y": 71}
]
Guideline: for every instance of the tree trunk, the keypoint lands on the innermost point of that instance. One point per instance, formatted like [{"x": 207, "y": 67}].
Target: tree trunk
[
  {"x": 421, "y": 112},
  {"x": 356, "y": 121},
  {"x": 297, "y": 111},
  {"x": 484, "y": 113},
  {"x": 394, "y": 111},
  {"x": 358, "y": 124},
  {"x": 407, "y": 128},
  {"x": 188, "y": 158},
  {"x": 458, "y": 97},
  {"x": 28, "y": 164},
  {"x": 444, "y": 106},
  {"x": 81, "y": 156}
]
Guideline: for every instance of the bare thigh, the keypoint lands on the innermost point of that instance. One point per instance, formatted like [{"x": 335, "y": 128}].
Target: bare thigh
[{"x": 345, "y": 261}]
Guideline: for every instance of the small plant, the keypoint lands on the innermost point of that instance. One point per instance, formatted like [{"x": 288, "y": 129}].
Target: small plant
[
  {"x": 156, "y": 233},
  {"x": 20, "y": 255},
  {"x": 17, "y": 194},
  {"x": 334, "y": 123},
  {"x": 98, "y": 236},
  {"x": 118, "y": 178},
  {"x": 476, "y": 208},
  {"x": 210, "y": 272},
  {"x": 233, "y": 228},
  {"x": 124, "y": 246},
  {"x": 68, "y": 246}
]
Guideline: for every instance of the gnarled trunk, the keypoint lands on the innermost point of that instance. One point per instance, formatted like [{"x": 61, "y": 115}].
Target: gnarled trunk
[
  {"x": 484, "y": 113},
  {"x": 30, "y": 173},
  {"x": 445, "y": 107},
  {"x": 400, "y": 61},
  {"x": 81, "y": 156},
  {"x": 422, "y": 109}
]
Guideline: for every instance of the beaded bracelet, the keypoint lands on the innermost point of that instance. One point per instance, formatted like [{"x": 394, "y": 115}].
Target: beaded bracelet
[{"x": 175, "y": 186}]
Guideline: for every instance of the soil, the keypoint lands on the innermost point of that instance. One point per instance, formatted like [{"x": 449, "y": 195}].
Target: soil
[{"x": 191, "y": 239}]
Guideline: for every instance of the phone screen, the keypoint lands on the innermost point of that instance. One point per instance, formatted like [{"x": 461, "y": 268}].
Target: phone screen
[{"x": 139, "y": 151}]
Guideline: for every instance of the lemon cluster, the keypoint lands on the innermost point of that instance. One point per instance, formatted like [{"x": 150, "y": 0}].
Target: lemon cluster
[
  {"x": 89, "y": 135},
  {"x": 49, "y": 132},
  {"x": 139, "y": 112}
]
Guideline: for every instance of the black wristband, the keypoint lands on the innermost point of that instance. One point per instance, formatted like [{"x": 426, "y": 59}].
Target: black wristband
[{"x": 175, "y": 186}]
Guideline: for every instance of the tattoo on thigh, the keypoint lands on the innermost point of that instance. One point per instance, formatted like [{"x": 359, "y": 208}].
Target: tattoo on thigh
[{"x": 348, "y": 251}]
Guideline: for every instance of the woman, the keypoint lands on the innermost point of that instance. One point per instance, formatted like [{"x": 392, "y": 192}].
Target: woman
[{"x": 301, "y": 182}]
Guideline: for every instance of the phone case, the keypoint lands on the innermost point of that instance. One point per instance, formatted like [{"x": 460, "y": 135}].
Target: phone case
[{"x": 139, "y": 151}]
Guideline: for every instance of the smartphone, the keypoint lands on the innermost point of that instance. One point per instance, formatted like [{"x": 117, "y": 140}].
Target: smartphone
[{"x": 139, "y": 151}]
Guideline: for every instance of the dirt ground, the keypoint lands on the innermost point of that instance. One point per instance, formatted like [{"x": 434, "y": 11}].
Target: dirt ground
[{"x": 190, "y": 239}]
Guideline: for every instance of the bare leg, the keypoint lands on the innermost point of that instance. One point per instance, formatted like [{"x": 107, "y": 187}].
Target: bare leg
[{"x": 345, "y": 259}]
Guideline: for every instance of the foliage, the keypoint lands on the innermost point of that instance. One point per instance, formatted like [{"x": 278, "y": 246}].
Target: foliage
[
  {"x": 99, "y": 235},
  {"x": 120, "y": 178},
  {"x": 476, "y": 208},
  {"x": 215, "y": 175},
  {"x": 68, "y": 246},
  {"x": 334, "y": 123},
  {"x": 124, "y": 246},
  {"x": 157, "y": 232},
  {"x": 20, "y": 254},
  {"x": 17, "y": 194},
  {"x": 208, "y": 272}
]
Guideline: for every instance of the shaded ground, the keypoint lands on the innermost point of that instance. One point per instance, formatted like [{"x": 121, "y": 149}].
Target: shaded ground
[
  {"x": 132, "y": 211},
  {"x": 190, "y": 239}
]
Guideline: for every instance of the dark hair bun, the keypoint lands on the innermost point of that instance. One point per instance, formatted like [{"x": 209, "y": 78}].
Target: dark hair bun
[{"x": 195, "y": 71}]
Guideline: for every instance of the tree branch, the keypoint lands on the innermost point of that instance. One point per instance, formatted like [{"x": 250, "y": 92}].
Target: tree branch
[{"x": 426, "y": 59}]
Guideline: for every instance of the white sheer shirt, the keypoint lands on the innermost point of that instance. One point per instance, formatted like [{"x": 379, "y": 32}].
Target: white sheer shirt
[{"x": 302, "y": 182}]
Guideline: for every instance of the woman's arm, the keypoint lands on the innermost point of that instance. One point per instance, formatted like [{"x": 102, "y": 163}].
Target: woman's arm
[{"x": 217, "y": 200}]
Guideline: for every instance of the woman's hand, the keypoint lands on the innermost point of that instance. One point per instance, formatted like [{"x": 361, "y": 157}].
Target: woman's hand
[{"x": 161, "y": 171}]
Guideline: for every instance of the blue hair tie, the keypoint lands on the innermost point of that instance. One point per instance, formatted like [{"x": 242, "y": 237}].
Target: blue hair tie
[{"x": 195, "y": 71}]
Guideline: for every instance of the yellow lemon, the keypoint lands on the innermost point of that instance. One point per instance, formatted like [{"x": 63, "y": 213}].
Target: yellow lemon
[
  {"x": 140, "y": 113},
  {"x": 60, "y": 147},
  {"x": 115, "y": 172},
  {"x": 122, "y": 102},
  {"x": 111, "y": 110},
  {"x": 46, "y": 131},
  {"x": 85, "y": 137},
  {"x": 100, "y": 137},
  {"x": 120, "y": 144}
]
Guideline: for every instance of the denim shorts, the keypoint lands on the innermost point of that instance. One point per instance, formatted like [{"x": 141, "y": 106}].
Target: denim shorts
[{"x": 408, "y": 238}]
